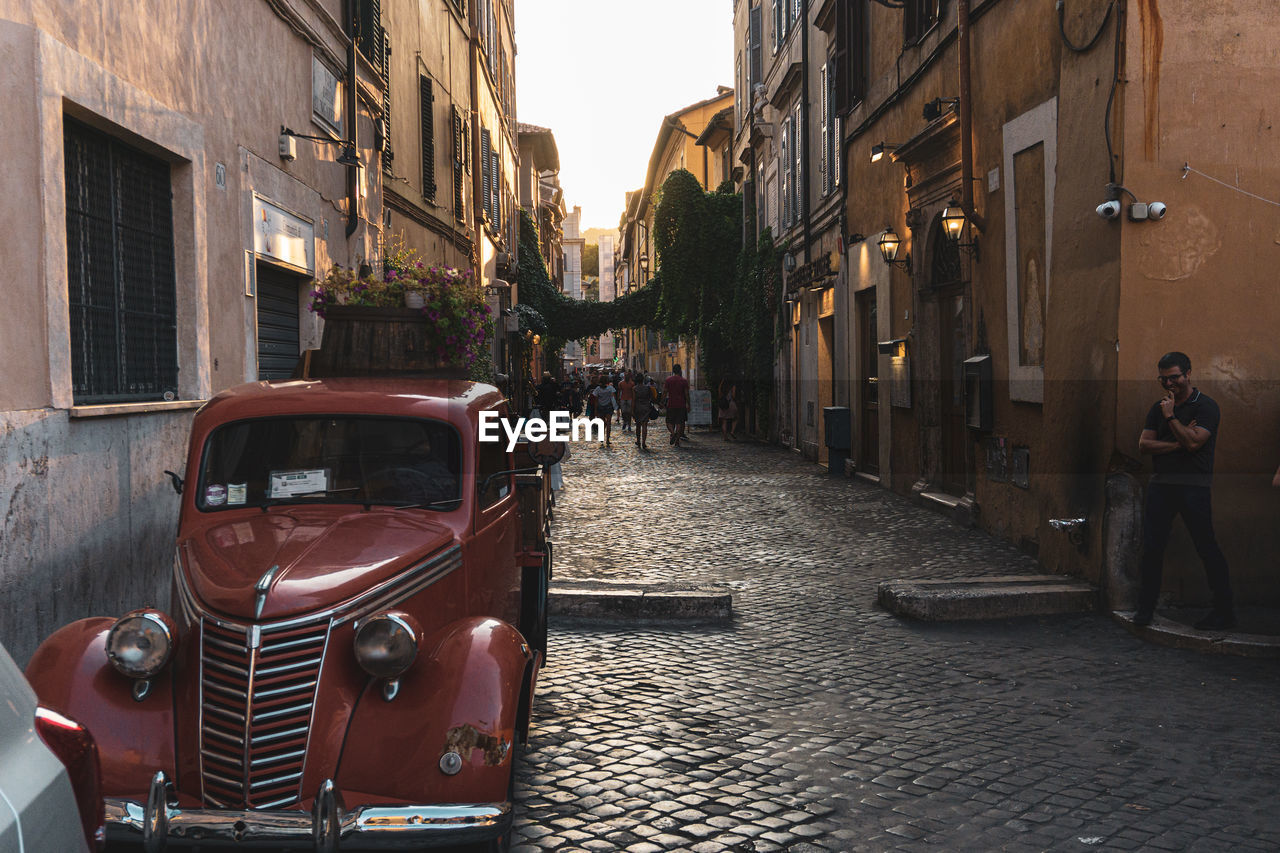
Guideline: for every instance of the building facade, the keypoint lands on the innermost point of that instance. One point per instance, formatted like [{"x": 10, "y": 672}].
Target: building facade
[
  {"x": 179, "y": 182},
  {"x": 990, "y": 338}
]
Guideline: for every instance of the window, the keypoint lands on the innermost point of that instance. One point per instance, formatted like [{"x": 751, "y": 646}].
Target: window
[
  {"x": 332, "y": 459},
  {"x": 831, "y": 148},
  {"x": 851, "y": 55},
  {"x": 370, "y": 38},
  {"x": 755, "y": 70},
  {"x": 919, "y": 16},
  {"x": 459, "y": 143},
  {"x": 784, "y": 173},
  {"x": 797, "y": 179},
  {"x": 426, "y": 100},
  {"x": 122, "y": 292},
  {"x": 491, "y": 458},
  {"x": 486, "y": 175}
]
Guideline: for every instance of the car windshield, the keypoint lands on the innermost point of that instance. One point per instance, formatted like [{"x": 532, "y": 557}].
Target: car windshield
[{"x": 334, "y": 459}]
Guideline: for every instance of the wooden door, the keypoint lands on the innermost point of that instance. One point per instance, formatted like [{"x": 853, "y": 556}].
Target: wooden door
[{"x": 869, "y": 383}]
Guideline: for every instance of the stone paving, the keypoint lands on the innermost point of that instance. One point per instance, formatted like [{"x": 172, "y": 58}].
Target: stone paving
[{"x": 816, "y": 721}]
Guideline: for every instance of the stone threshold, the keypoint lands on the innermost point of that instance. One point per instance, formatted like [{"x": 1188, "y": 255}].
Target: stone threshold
[
  {"x": 988, "y": 597},
  {"x": 607, "y": 600}
]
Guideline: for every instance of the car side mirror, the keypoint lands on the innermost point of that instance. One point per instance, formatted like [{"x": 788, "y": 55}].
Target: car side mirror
[{"x": 176, "y": 480}]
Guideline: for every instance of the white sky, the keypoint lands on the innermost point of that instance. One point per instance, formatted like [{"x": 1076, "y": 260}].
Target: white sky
[{"x": 601, "y": 74}]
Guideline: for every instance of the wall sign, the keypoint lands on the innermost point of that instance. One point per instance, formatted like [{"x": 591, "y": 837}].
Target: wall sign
[{"x": 280, "y": 235}]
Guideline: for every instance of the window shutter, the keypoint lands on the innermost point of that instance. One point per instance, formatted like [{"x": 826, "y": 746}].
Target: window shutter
[
  {"x": 756, "y": 73},
  {"x": 824, "y": 161},
  {"x": 777, "y": 24},
  {"x": 784, "y": 172},
  {"x": 459, "y": 213},
  {"x": 427, "y": 100},
  {"x": 797, "y": 130},
  {"x": 486, "y": 188},
  {"x": 369, "y": 21},
  {"x": 495, "y": 184},
  {"x": 387, "y": 154}
]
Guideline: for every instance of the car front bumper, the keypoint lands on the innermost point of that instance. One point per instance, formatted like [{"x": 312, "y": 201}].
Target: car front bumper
[{"x": 328, "y": 827}]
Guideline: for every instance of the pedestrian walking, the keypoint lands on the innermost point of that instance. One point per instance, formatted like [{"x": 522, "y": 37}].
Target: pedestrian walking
[
  {"x": 643, "y": 395},
  {"x": 605, "y": 397},
  {"x": 547, "y": 395},
  {"x": 677, "y": 401},
  {"x": 1180, "y": 434},
  {"x": 728, "y": 409},
  {"x": 626, "y": 400}
]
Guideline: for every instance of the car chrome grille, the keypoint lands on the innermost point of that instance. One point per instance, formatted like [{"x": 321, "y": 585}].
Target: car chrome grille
[{"x": 258, "y": 686}]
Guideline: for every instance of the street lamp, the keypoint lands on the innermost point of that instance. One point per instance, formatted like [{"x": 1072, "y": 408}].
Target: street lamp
[
  {"x": 644, "y": 268},
  {"x": 347, "y": 157},
  {"x": 877, "y": 150}
]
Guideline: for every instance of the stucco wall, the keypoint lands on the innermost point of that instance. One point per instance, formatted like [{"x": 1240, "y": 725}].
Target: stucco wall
[
  {"x": 1202, "y": 93},
  {"x": 89, "y": 518}
]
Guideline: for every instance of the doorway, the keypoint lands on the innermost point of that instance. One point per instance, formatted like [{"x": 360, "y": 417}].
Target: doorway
[
  {"x": 279, "y": 321},
  {"x": 868, "y": 458},
  {"x": 953, "y": 470}
]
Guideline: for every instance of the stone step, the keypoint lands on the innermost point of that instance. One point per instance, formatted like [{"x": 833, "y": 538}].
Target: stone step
[
  {"x": 605, "y": 600},
  {"x": 1000, "y": 597}
]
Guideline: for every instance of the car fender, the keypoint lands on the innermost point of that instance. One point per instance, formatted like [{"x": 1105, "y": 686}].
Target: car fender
[
  {"x": 463, "y": 694},
  {"x": 71, "y": 675}
]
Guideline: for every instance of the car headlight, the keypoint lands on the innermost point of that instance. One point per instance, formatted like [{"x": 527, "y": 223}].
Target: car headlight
[
  {"x": 141, "y": 643},
  {"x": 386, "y": 645}
]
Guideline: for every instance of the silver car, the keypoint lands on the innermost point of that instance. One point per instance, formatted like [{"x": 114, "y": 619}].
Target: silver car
[{"x": 50, "y": 791}]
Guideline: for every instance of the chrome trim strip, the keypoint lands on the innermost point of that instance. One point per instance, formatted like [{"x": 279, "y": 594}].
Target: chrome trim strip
[
  {"x": 386, "y": 827},
  {"x": 409, "y": 582}
]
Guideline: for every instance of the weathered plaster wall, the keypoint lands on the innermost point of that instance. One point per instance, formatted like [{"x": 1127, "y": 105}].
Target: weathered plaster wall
[
  {"x": 1203, "y": 79},
  {"x": 89, "y": 518}
]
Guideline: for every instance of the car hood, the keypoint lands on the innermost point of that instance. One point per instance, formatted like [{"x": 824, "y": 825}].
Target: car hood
[{"x": 321, "y": 556}]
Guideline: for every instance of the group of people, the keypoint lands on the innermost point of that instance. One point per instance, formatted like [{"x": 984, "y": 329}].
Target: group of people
[{"x": 633, "y": 397}]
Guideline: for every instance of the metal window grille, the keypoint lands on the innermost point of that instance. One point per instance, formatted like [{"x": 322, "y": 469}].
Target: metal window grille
[
  {"x": 427, "y": 100},
  {"x": 120, "y": 279}
]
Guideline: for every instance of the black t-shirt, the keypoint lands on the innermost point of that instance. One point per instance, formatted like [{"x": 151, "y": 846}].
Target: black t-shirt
[{"x": 1181, "y": 467}]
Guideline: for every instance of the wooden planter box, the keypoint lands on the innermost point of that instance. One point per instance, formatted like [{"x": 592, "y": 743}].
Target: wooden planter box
[{"x": 361, "y": 341}]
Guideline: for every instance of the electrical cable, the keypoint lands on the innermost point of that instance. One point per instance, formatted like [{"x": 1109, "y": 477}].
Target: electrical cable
[
  {"x": 1186, "y": 170},
  {"x": 1062, "y": 27},
  {"x": 1111, "y": 99}
]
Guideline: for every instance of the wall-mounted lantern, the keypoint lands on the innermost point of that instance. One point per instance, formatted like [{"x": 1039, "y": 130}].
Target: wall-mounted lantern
[
  {"x": 953, "y": 225},
  {"x": 889, "y": 244}
]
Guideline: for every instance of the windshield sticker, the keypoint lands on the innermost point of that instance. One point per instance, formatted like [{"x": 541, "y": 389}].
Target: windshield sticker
[
  {"x": 237, "y": 493},
  {"x": 215, "y": 495},
  {"x": 287, "y": 484}
]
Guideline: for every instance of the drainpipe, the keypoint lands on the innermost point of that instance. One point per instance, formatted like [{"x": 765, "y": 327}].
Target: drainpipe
[
  {"x": 966, "y": 119},
  {"x": 353, "y": 105},
  {"x": 477, "y": 168},
  {"x": 804, "y": 126}
]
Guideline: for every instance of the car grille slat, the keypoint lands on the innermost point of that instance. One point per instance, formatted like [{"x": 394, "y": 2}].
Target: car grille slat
[{"x": 257, "y": 710}]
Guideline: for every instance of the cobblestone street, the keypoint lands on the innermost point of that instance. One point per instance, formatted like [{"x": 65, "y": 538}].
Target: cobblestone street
[{"x": 817, "y": 721}]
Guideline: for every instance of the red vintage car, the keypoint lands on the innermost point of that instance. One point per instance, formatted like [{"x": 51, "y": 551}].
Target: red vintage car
[{"x": 357, "y": 622}]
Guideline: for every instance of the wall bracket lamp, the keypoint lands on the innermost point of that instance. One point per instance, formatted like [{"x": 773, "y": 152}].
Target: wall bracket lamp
[
  {"x": 933, "y": 109},
  {"x": 877, "y": 150},
  {"x": 889, "y": 244},
  {"x": 347, "y": 157},
  {"x": 954, "y": 224}
]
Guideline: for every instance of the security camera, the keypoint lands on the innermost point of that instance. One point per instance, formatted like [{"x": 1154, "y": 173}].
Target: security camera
[
  {"x": 1109, "y": 209},
  {"x": 1156, "y": 210}
]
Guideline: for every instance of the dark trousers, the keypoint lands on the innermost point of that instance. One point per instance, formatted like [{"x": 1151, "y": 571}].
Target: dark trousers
[{"x": 1164, "y": 501}]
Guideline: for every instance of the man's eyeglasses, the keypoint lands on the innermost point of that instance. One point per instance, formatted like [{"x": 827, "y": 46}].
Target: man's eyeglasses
[{"x": 1170, "y": 380}]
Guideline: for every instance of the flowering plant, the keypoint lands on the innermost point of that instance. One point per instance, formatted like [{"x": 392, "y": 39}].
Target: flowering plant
[{"x": 452, "y": 302}]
